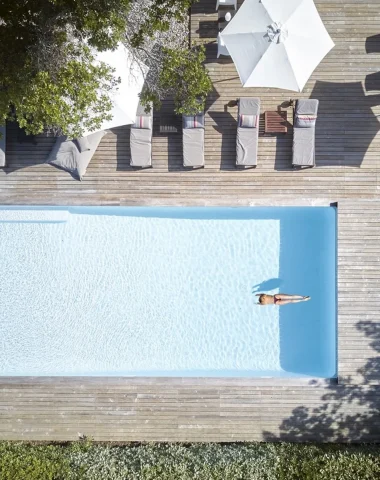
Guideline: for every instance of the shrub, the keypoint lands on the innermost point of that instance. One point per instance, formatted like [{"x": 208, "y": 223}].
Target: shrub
[
  {"x": 183, "y": 76},
  {"x": 162, "y": 461},
  {"x": 158, "y": 36},
  {"x": 20, "y": 461},
  {"x": 327, "y": 462}
]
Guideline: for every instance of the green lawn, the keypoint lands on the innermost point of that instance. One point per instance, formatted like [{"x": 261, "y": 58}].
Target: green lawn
[{"x": 243, "y": 461}]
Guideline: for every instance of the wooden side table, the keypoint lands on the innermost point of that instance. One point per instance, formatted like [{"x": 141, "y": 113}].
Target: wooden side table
[{"x": 276, "y": 122}]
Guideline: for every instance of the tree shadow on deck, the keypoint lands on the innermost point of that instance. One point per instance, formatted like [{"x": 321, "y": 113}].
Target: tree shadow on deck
[
  {"x": 123, "y": 151},
  {"x": 225, "y": 124},
  {"x": 207, "y": 28},
  {"x": 203, "y": 7},
  {"x": 172, "y": 141},
  {"x": 338, "y": 418},
  {"x": 25, "y": 150},
  {"x": 340, "y": 412},
  {"x": 346, "y": 124},
  {"x": 175, "y": 151}
]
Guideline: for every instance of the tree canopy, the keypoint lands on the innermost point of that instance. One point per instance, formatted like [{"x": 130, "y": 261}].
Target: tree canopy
[
  {"x": 158, "y": 35},
  {"x": 48, "y": 77}
]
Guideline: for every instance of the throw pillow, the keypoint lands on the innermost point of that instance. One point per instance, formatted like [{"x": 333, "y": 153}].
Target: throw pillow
[
  {"x": 197, "y": 121},
  {"x": 305, "y": 121},
  {"x": 143, "y": 121},
  {"x": 248, "y": 121}
]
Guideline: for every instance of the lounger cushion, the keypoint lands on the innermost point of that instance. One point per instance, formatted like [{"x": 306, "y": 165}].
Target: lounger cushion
[
  {"x": 193, "y": 147},
  {"x": 247, "y": 139},
  {"x": 83, "y": 144},
  {"x": 305, "y": 121},
  {"x": 304, "y": 146},
  {"x": 248, "y": 121},
  {"x": 141, "y": 147},
  {"x": 66, "y": 155},
  {"x": 143, "y": 121},
  {"x": 304, "y": 138},
  {"x": 249, "y": 106},
  {"x": 307, "y": 106},
  {"x": 2, "y": 146},
  {"x": 197, "y": 121},
  {"x": 246, "y": 146}
]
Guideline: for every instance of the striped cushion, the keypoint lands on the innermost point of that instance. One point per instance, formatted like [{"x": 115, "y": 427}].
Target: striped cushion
[
  {"x": 305, "y": 121},
  {"x": 196, "y": 121},
  {"x": 143, "y": 121},
  {"x": 248, "y": 121}
]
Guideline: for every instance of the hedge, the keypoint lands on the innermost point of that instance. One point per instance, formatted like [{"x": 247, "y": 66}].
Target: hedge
[{"x": 235, "y": 461}]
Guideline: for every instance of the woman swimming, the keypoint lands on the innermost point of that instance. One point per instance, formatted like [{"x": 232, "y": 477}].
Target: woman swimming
[{"x": 279, "y": 299}]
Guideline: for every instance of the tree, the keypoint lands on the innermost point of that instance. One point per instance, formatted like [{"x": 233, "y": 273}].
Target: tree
[
  {"x": 157, "y": 16},
  {"x": 184, "y": 77},
  {"x": 48, "y": 78},
  {"x": 158, "y": 35}
]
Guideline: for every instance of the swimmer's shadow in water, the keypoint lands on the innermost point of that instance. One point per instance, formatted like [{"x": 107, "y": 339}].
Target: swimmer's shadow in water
[{"x": 267, "y": 285}]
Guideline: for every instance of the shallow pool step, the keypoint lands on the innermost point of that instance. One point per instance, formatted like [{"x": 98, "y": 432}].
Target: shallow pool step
[{"x": 33, "y": 216}]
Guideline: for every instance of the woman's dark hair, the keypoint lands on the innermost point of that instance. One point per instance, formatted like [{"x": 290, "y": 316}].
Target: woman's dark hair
[{"x": 261, "y": 298}]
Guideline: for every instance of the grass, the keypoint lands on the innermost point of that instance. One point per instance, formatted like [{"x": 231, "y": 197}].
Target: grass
[{"x": 235, "y": 461}]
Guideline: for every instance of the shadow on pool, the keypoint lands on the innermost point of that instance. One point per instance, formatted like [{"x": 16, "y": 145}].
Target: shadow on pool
[
  {"x": 267, "y": 285},
  {"x": 308, "y": 267}
]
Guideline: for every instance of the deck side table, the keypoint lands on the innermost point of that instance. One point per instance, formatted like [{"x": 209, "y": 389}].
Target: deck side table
[{"x": 276, "y": 122}]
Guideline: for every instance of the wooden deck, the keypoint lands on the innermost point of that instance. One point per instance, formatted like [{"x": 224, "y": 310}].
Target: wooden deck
[{"x": 347, "y": 83}]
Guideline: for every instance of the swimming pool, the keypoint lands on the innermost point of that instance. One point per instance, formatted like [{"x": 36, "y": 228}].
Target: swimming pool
[{"x": 167, "y": 291}]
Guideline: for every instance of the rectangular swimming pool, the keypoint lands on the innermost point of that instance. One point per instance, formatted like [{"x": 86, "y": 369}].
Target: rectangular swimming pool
[{"x": 167, "y": 291}]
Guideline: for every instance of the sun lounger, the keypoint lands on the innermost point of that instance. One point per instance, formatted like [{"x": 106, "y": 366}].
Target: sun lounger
[
  {"x": 193, "y": 138},
  {"x": 305, "y": 116},
  {"x": 3, "y": 162},
  {"x": 226, "y": 3},
  {"x": 247, "y": 131},
  {"x": 141, "y": 139}
]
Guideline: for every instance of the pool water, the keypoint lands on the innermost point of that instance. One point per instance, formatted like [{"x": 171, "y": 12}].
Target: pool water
[{"x": 167, "y": 291}]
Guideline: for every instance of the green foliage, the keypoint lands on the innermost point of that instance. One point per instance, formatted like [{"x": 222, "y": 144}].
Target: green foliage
[
  {"x": 47, "y": 76},
  {"x": 244, "y": 461},
  {"x": 102, "y": 22},
  {"x": 20, "y": 461},
  {"x": 184, "y": 76},
  {"x": 327, "y": 462},
  {"x": 158, "y": 16},
  {"x": 69, "y": 99}
]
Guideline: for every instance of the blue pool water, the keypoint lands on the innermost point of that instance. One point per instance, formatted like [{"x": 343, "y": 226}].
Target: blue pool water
[{"x": 167, "y": 291}]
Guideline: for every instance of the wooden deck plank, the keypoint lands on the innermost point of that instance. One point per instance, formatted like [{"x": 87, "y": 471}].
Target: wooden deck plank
[{"x": 347, "y": 172}]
